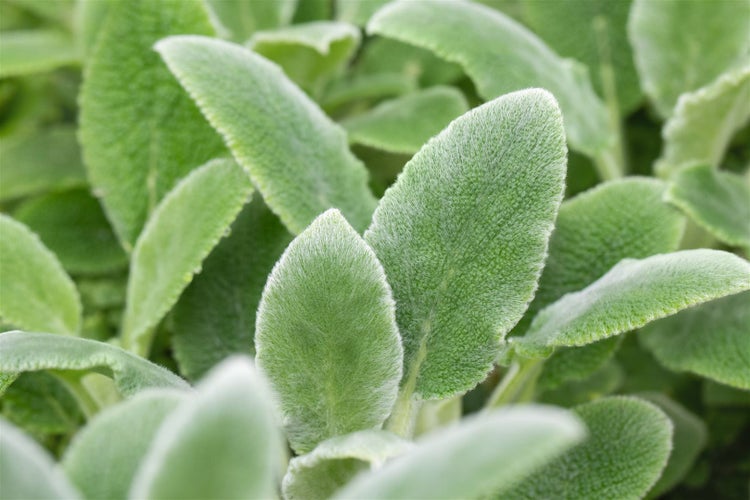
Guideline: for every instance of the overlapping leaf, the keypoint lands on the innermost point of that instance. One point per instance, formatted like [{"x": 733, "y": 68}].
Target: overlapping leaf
[
  {"x": 239, "y": 19},
  {"x": 34, "y": 51}
]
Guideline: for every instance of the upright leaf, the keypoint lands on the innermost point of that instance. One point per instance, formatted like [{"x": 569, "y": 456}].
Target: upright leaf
[
  {"x": 36, "y": 293},
  {"x": 239, "y": 19},
  {"x": 463, "y": 233},
  {"x": 186, "y": 225},
  {"x": 327, "y": 310},
  {"x": 137, "y": 148},
  {"x": 319, "y": 171},
  {"x": 681, "y": 46},
  {"x": 35, "y": 51}
]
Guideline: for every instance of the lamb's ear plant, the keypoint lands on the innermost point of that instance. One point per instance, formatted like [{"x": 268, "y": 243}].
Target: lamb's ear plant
[{"x": 390, "y": 249}]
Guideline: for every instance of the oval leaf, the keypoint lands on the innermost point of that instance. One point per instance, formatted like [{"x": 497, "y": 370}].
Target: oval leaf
[{"x": 327, "y": 310}]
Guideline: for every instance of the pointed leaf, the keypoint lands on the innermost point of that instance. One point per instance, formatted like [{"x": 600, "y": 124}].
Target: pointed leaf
[
  {"x": 319, "y": 171},
  {"x": 223, "y": 442},
  {"x": 484, "y": 454},
  {"x": 327, "y": 310},
  {"x": 628, "y": 446},
  {"x": 183, "y": 229},
  {"x": 632, "y": 294},
  {"x": 500, "y": 56},
  {"x": 711, "y": 340},
  {"x": 25, "y": 351},
  {"x": 463, "y": 234},
  {"x": 35, "y": 51},
  {"x": 36, "y": 292},
  {"x": 137, "y": 148},
  {"x": 239, "y": 19}
]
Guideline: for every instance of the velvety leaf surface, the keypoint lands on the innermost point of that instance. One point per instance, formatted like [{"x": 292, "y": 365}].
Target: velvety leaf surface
[
  {"x": 404, "y": 124},
  {"x": 500, "y": 56},
  {"x": 463, "y": 234},
  {"x": 484, "y": 454},
  {"x": 710, "y": 340},
  {"x": 27, "y": 470},
  {"x": 137, "y": 148},
  {"x": 36, "y": 292},
  {"x": 704, "y": 122},
  {"x": 632, "y": 294},
  {"x": 182, "y": 231},
  {"x": 628, "y": 446},
  {"x": 319, "y": 171},
  {"x": 34, "y": 51},
  {"x": 239, "y": 19},
  {"x": 222, "y": 442},
  {"x": 327, "y": 310},
  {"x": 218, "y": 308},
  {"x": 334, "y": 462},
  {"x": 25, "y": 351},
  {"x": 681, "y": 46},
  {"x": 103, "y": 457},
  {"x": 89, "y": 18}
]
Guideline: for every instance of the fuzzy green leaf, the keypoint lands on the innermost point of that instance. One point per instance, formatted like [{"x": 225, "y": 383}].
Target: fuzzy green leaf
[
  {"x": 239, "y": 19},
  {"x": 500, "y": 56},
  {"x": 223, "y": 442},
  {"x": 484, "y": 454},
  {"x": 468, "y": 222},
  {"x": 359, "y": 11},
  {"x": 576, "y": 363},
  {"x": 183, "y": 229},
  {"x": 632, "y": 294},
  {"x": 89, "y": 17},
  {"x": 681, "y": 46},
  {"x": 137, "y": 148},
  {"x": 334, "y": 462},
  {"x": 35, "y": 51},
  {"x": 36, "y": 293},
  {"x": 27, "y": 470},
  {"x": 607, "y": 379},
  {"x": 404, "y": 124},
  {"x": 712, "y": 340},
  {"x": 319, "y": 171},
  {"x": 364, "y": 87},
  {"x": 327, "y": 310},
  {"x": 28, "y": 352},
  {"x": 103, "y": 458},
  {"x": 218, "y": 308},
  {"x": 628, "y": 446}
]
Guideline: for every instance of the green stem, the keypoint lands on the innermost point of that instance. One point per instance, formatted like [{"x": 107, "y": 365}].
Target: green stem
[
  {"x": 404, "y": 414},
  {"x": 72, "y": 382},
  {"x": 518, "y": 385}
]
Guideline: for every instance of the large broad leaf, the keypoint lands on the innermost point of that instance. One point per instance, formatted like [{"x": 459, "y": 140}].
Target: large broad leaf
[
  {"x": 25, "y": 351},
  {"x": 223, "y": 442},
  {"x": 218, "y": 308},
  {"x": 334, "y": 462},
  {"x": 239, "y": 19},
  {"x": 634, "y": 293},
  {"x": 34, "y": 51},
  {"x": 27, "y": 470},
  {"x": 103, "y": 458},
  {"x": 704, "y": 121},
  {"x": 327, "y": 310},
  {"x": 278, "y": 126},
  {"x": 717, "y": 201},
  {"x": 404, "y": 124},
  {"x": 627, "y": 448},
  {"x": 710, "y": 340},
  {"x": 183, "y": 229},
  {"x": 681, "y": 46},
  {"x": 484, "y": 454},
  {"x": 137, "y": 148},
  {"x": 36, "y": 294},
  {"x": 500, "y": 56},
  {"x": 463, "y": 235}
]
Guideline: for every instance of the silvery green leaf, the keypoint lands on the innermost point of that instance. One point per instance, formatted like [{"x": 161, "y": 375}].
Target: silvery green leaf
[
  {"x": 463, "y": 234},
  {"x": 484, "y": 454},
  {"x": 681, "y": 46},
  {"x": 627, "y": 448},
  {"x": 104, "y": 456},
  {"x": 327, "y": 310},
  {"x": 28, "y": 352},
  {"x": 35, "y": 51},
  {"x": 36, "y": 292},
  {"x": 239, "y": 19},
  {"x": 710, "y": 340},
  {"x": 182, "y": 231},
  {"x": 363, "y": 87},
  {"x": 222, "y": 442},
  {"x": 319, "y": 171},
  {"x": 438, "y": 413},
  {"x": 632, "y": 294},
  {"x": 359, "y": 11}
]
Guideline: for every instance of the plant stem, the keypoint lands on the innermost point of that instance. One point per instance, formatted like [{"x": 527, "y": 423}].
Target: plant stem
[
  {"x": 404, "y": 414},
  {"x": 72, "y": 382},
  {"x": 518, "y": 385}
]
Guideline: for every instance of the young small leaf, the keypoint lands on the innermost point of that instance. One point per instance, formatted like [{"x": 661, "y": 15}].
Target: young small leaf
[
  {"x": 35, "y": 51},
  {"x": 183, "y": 229},
  {"x": 239, "y": 19},
  {"x": 366, "y": 87},
  {"x": 463, "y": 235},
  {"x": 327, "y": 310},
  {"x": 36, "y": 293},
  {"x": 319, "y": 170}
]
